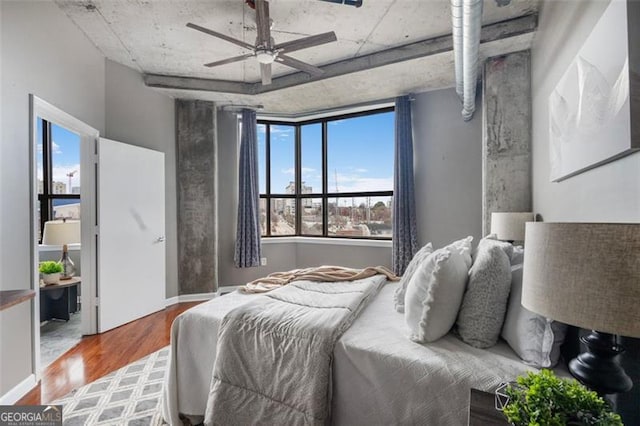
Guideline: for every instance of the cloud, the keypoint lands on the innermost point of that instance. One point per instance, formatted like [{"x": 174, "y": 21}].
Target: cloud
[
  {"x": 306, "y": 171},
  {"x": 56, "y": 148},
  {"x": 281, "y": 133},
  {"x": 361, "y": 170},
  {"x": 357, "y": 183},
  {"x": 281, "y": 130}
]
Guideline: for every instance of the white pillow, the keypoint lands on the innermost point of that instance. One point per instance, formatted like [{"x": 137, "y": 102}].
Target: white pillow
[
  {"x": 534, "y": 338},
  {"x": 398, "y": 297},
  {"x": 435, "y": 293},
  {"x": 463, "y": 246}
]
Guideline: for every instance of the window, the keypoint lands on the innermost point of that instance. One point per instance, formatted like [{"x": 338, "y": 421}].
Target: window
[
  {"x": 331, "y": 177},
  {"x": 58, "y": 168}
]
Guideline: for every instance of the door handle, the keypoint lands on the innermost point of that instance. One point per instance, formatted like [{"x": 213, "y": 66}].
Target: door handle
[{"x": 160, "y": 239}]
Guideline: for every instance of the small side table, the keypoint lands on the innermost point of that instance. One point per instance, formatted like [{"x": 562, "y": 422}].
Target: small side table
[
  {"x": 59, "y": 300},
  {"x": 482, "y": 410}
]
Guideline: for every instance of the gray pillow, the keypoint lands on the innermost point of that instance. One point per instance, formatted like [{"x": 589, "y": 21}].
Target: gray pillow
[
  {"x": 534, "y": 338},
  {"x": 485, "y": 301},
  {"x": 398, "y": 297}
]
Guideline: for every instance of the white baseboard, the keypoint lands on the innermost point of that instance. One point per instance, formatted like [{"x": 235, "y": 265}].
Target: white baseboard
[
  {"x": 199, "y": 297},
  {"x": 18, "y": 391},
  {"x": 196, "y": 297}
]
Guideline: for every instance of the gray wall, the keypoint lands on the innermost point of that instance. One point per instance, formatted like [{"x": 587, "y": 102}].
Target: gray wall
[
  {"x": 311, "y": 254},
  {"x": 607, "y": 193},
  {"x": 45, "y": 54},
  {"x": 140, "y": 116},
  {"x": 448, "y": 168},
  {"x": 15, "y": 359}
]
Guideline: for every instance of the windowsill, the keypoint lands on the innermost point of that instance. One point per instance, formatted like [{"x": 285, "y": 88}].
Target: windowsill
[
  {"x": 70, "y": 247},
  {"x": 327, "y": 241}
]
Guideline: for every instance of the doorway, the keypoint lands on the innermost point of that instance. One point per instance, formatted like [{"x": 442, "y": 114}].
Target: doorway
[
  {"x": 62, "y": 150},
  {"x": 59, "y": 236}
]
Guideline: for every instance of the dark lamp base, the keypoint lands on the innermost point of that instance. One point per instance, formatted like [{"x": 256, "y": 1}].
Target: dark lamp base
[{"x": 599, "y": 367}]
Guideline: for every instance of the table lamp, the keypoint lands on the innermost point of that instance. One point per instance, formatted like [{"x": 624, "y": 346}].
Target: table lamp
[
  {"x": 587, "y": 275},
  {"x": 509, "y": 226},
  {"x": 63, "y": 232}
]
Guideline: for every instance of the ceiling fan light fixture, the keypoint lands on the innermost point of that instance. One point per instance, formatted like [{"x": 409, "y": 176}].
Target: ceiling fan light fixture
[{"x": 265, "y": 57}]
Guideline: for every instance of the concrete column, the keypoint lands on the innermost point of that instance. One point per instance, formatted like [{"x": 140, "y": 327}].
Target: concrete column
[
  {"x": 197, "y": 206},
  {"x": 506, "y": 134}
]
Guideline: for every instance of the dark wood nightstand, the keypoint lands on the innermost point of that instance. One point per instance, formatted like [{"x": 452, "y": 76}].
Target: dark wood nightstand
[{"x": 482, "y": 410}]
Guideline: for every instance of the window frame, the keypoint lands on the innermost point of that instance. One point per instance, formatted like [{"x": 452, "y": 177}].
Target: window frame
[
  {"x": 325, "y": 195},
  {"x": 46, "y": 198}
]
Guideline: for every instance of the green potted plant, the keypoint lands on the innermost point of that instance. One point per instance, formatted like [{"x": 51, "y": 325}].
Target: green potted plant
[
  {"x": 50, "y": 271},
  {"x": 543, "y": 399}
]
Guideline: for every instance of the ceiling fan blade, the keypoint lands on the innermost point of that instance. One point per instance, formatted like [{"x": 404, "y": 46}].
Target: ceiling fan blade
[
  {"x": 220, "y": 35},
  {"x": 263, "y": 24},
  {"x": 303, "y": 43},
  {"x": 230, "y": 60},
  {"x": 265, "y": 74},
  {"x": 302, "y": 66}
]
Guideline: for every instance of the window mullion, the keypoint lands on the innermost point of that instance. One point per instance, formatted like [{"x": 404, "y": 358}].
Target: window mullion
[
  {"x": 325, "y": 182},
  {"x": 298, "y": 167},
  {"x": 45, "y": 204},
  {"x": 268, "y": 176}
]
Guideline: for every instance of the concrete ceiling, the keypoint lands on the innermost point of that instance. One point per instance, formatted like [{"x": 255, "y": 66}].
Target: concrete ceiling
[{"x": 150, "y": 36}]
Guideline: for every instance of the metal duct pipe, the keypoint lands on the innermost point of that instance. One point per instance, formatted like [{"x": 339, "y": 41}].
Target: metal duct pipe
[
  {"x": 456, "y": 25},
  {"x": 471, "y": 26}
]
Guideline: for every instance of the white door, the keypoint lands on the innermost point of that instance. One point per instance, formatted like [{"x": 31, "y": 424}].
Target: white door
[{"x": 131, "y": 248}]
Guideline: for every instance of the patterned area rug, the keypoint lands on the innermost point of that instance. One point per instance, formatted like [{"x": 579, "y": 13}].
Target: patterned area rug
[{"x": 129, "y": 396}]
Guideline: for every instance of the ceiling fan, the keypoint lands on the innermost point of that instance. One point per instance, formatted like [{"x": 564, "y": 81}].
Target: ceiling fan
[{"x": 265, "y": 49}]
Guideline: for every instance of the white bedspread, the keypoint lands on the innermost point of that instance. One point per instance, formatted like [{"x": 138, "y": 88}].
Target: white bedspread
[
  {"x": 379, "y": 375},
  {"x": 274, "y": 355},
  {"x": 383, "y": 378}
]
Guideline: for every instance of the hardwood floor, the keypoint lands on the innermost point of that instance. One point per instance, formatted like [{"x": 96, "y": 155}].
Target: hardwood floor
[{"x": 98, "y": 355}]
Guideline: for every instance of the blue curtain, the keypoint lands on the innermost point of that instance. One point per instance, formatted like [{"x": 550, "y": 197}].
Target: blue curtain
[
  {"x": 405, "y": 242},
  {"x": 247, "y": 253}
]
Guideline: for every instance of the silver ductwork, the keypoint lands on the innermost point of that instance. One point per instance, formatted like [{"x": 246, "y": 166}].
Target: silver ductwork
[
  {"x": 467, "y": 21},
  {"x": 456, "y": 25}
]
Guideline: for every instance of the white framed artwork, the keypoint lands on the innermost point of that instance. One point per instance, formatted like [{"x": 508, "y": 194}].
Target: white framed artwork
[{"x": 590, "y": 109}]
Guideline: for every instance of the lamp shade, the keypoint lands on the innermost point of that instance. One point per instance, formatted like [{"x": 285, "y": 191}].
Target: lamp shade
[
  {"x": 509, "y": 226},
  {"x": 57, "y": 233},
  {"x": 584, "y": 274}
]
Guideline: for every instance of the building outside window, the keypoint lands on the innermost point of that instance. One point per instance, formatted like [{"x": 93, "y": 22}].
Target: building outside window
[{"x": 330, "y": 177}]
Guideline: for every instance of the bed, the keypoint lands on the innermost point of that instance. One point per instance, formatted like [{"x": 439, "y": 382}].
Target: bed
[{"x": 379, "y": 375}]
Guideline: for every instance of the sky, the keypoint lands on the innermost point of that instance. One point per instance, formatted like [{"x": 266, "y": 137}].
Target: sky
[
  {"x": 360, "y": 154},
  {"x": 65, "y": 156}
]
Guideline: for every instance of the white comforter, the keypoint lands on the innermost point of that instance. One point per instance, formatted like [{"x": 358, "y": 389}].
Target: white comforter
[{"x": 379, "y": 375}]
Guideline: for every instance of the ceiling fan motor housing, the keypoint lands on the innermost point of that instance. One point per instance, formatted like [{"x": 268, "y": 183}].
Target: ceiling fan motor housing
[{"x": 265, "y": 56}]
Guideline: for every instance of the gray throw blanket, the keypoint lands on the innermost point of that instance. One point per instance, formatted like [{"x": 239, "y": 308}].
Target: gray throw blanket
[{"x": 274, "y": 358}]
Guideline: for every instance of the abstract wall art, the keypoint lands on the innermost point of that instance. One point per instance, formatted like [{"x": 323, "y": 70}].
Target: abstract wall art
[{"x": 592, "y": 106}]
